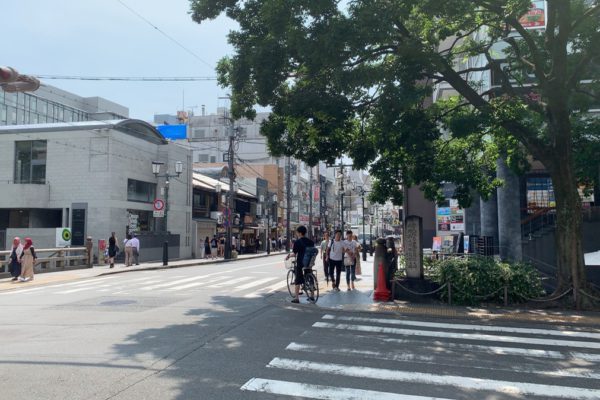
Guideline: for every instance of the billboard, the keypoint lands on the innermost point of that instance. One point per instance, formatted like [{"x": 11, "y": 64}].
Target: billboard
[
  {"x": 535, "y": 18},
  {"x": 173, "y": 132}
]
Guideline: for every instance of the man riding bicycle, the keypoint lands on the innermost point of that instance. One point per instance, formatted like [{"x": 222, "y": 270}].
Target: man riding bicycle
[{"x": 300, "y": 248}]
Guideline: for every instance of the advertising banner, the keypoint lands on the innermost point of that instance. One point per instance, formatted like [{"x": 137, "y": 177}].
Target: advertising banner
[
  {"x": 535, "y": 18},
  {"x": 63, "y": 237}
]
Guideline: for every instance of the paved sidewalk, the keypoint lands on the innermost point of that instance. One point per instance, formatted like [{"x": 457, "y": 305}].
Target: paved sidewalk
[
  {"x": 361, "y": 300},
  {"x": 76, "y": 274}
]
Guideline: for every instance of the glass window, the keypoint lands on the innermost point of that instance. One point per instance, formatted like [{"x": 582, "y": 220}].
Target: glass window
[
  {"x": 61, "y": 113},
  {"x": 43, "y": 106},
  {"x": 3, "y": 114},
  {"x": 30, "y": 161},
  {"x": 32, "y": 103},
  {"x": 141, "y": 191}
]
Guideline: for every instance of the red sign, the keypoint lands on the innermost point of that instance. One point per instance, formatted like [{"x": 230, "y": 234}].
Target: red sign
[
  {"x": 158, "y": 205},
  {"x": 535, "y": 17}
]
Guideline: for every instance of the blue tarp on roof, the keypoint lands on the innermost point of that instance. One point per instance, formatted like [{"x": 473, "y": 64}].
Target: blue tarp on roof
[{"x": 173, "y": 132}]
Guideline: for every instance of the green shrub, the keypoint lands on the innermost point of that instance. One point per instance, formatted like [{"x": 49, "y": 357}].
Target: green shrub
[{"x": 482, "y": 279}]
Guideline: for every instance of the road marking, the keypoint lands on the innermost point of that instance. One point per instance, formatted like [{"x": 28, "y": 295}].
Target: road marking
[
  {"x": 440, "y": 346},
  {"x": 294, "y": 389},
  {"x": 267, "y": 290},
  {"x": 229, "y": 282},
  {"x": 485, "y": 328},
  {"x": 407, "y": 356},
  {"x": 178, "y": 281},
  {"x": 252, "y": 284},
  {"x": 458, "y": 335},
  {"x": 462, "y": 382},
  {"x": 195, "y": 284}
]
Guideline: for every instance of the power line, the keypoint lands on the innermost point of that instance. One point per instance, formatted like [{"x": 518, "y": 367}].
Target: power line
[
  {"x": 165, "y": 34},
  {"x": 129, "y": 78}
]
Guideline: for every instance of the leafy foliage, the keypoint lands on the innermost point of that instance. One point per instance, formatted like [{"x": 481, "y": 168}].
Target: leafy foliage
[{"x": 482, "y": 279}]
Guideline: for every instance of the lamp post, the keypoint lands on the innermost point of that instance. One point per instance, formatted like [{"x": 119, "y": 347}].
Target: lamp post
[
  {"x": 167, "y": 175},
  {"x": 362, "y": 192}
]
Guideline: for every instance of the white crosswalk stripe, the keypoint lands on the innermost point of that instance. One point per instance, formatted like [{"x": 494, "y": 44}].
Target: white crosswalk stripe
[{"x": 435, "y": 357}]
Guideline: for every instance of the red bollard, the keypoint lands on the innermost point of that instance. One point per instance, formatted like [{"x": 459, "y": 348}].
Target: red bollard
[{"x": 382, "y": 293}]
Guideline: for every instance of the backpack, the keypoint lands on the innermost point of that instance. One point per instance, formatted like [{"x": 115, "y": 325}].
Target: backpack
[{"x": 310, "y": 255}]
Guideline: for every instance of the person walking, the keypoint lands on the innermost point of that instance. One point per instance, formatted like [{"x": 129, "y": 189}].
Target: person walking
[
  {"x": 113, "y": 249},
  {"x": 135, "y": 242},
  {"x": 206, "y": 248},
  {"x": 128, "y": 250},
  {"x": 14, "y": 266},
  {"x": 359, "y": 250},
  {"x": 350, "y": 252},
  {"x": 335, "y": 249},
  {"x": 27, "y": 258},
  {"x": 214, "y": 247},
  {"x": 324, "y": 258}
]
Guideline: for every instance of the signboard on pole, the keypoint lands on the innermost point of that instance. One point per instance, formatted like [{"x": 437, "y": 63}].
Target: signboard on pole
[
  {"x": 63, "y": 237},
  {"x": 159, "y": 208}
]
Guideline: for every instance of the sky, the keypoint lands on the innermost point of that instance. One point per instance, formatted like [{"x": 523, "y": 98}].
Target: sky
[{"x": 104, "y": 38}]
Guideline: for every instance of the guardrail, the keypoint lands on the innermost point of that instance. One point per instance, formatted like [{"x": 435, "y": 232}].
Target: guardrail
[{"x": 55, "y": 259}]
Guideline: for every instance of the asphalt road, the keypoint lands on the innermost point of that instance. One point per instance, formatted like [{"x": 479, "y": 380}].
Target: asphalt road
[{"x": 226, "y": 331}]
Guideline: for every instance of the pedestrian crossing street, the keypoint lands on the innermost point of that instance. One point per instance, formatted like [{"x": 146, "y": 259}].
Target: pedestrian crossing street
[
  {"x": 341, "y": 357},
  {"x": 250, "y": 285}
]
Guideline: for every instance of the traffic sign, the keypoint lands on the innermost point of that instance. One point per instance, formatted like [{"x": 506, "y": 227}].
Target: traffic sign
[
  {"x": 158, "y": 205},
  {"x": 158, "y": 214}
]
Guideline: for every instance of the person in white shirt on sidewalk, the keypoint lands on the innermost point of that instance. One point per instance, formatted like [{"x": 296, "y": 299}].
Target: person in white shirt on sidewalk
[
  {"x": 135, "y": 243},
  {"x": 335, "y": 255},
  {"x": 128, "y": 250},
  {"x": 350, "y": 256}
]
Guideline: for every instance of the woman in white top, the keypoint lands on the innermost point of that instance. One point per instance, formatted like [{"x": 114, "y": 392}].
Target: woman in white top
[
  {"x": 128, "y": 244},
  {"x": 351, "y": 251},
  {"x": 335, "y": 251}
]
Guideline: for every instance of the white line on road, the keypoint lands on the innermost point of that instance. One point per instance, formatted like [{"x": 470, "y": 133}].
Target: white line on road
[
  {"x": 463, "y": 382},
  {"x": 406, "y": 355},
  {"x": 229, "y": 282},
  {"x": 458, "y": 335},
  {"x": 267, "y": 289},
  {"x": 195, "y": 284},
  {"x": 253, "y": 283},
  {"x": 294, "y": 389},
  {"x": 484, "y": 328}
]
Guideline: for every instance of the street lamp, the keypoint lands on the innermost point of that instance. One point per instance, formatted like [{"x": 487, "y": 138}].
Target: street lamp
[
  {"x": 362, "y": 192},
  {"x": 156, "y": 171},
  {"x": 272, "y": 200}
]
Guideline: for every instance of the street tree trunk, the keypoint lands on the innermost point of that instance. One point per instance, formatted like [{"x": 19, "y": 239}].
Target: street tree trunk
[{"x": 569, "y": 248}]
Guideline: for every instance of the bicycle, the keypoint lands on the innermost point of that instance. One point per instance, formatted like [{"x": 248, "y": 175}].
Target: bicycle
[{"x": 310, "y": 286}]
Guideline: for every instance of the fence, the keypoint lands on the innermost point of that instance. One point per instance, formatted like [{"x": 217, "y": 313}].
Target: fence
[{"x": 55, "y": 259}]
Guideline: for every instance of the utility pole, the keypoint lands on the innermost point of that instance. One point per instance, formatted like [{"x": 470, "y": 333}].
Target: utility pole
[
  {"x": 310, "y": 205},
  {"x": 231, "y": 198},
  {"x": 341, "y": 165},
  {"x": 288, "y": 202}
]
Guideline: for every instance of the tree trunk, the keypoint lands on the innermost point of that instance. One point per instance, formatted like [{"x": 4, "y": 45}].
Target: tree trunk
[{"x": 569, "y": 248}]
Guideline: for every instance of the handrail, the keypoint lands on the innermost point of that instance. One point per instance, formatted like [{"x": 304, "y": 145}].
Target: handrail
[{"x": 540, "y": 211}]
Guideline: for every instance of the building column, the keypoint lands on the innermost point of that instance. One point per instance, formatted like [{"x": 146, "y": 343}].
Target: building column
[
  {"x": 509, "y": 214},
  {"x": 489, "y": 217}
]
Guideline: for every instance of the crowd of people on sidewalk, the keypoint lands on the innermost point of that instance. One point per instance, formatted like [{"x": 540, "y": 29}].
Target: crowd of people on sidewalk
[
  {"x": 131, "y": 248},
  {"x": 336, "y": 255},
  {"x": 22, "y": 260},
  {"x": 215, "y": 248}
]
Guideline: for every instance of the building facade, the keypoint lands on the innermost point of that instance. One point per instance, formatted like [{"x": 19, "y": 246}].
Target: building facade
[
  {"x": 96, "y": 178},
  {"x": 49, "y": 104}
]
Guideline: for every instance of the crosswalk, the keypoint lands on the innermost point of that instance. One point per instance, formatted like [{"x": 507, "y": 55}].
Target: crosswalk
[
  {"x": 248, "y": 285},
  {"x": 354, "y": 357}
]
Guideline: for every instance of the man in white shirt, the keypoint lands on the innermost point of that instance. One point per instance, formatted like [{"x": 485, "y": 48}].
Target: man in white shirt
[
  {"x": 350, "y": 255},
  {"x": 135, "y": 243},
  {"x": 335, "y": 255}
]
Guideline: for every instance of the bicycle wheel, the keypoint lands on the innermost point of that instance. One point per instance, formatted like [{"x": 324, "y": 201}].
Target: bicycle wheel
[
  {"x": 311, "y": 287},
  {"x": 291, "y": 278}
]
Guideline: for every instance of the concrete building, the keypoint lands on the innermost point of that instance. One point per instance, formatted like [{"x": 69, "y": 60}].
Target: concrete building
[
  {"x": 96, "y": 178},
  {"x": 50, "y": 104}
]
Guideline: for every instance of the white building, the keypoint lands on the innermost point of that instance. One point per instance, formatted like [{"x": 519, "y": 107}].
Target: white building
[{"x": 95, "y": 177}]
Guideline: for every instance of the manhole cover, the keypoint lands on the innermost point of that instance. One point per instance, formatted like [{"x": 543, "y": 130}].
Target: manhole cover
[{"x": 118, "y": 302}]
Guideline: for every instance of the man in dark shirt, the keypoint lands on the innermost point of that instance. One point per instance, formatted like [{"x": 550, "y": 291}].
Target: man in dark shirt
[{"x": 298, "y": 250}]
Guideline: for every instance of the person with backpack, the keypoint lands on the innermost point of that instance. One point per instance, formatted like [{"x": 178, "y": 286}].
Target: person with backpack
[{"x": 304, "y": 249}]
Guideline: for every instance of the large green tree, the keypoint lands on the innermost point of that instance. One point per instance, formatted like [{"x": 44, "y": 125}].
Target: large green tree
[{"x": 355, "y": 77}]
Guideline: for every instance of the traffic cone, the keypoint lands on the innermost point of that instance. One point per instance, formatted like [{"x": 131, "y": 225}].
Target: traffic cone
[{"x": 382, "y": 293}]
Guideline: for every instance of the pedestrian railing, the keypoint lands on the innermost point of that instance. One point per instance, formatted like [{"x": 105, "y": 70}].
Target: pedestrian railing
[{"x": 54, "y": 259}]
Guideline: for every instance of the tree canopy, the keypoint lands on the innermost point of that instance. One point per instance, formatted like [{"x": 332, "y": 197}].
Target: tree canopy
[{"x": 357, "y": 77}]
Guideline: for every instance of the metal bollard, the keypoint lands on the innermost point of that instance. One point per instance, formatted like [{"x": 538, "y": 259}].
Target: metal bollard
[
  {"x": 89, "y": 246},
  {"x": 166, "y": 253}
]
